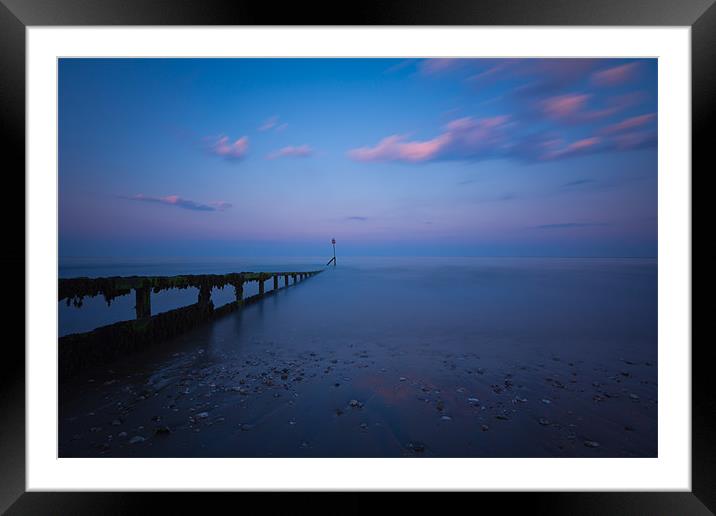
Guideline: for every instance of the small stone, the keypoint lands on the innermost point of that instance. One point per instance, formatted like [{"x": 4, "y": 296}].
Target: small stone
[
  {"x": 245, "y": 427},
  {"x": 364, "y": 426},
  {"x": 445, "y": 418},
  {"x": 416, "y": 446},
  {"x": 137, "y": 439},
  {"x": 403, "y": 379},
  {"x": 473, "y": 400},
  {"x": 202, "y": 415},
  {"x": 546, "y": 401},
  {"x": 484, "y": 428},
  {"x": 122, "y": 434},
  {"x": 543, "y": 421},
  {"x": 502, "y": 417},
  {"x": 116, "y": 422},
  {"x": 591, "y": 444},
  {"x": 355, "y": 404},
  {"x": 634, "y": 397}
]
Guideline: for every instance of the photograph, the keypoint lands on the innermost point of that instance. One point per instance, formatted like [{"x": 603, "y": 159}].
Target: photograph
[{"x": 357, "y": 257}]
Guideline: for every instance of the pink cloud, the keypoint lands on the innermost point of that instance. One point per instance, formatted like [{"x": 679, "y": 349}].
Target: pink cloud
[
  {"x": 555, "y": 149},
  {"x": 300, "y": 151},
  {"x": 440, "y": 65},
  {"x": 230, "y": 150},
  {"x": 564, "y": 106},
  {"x": 464, "y": 138},
  {"x": 573, "y": 108},
  {"x": 630, "y": 123},
  {"x": 616, "y": 75},
  {"x": 269, "y": 123},
  {"x": 175, "y": 200}
]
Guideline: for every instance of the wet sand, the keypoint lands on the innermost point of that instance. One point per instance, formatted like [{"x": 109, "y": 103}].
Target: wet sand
[{"x": 386, "y": 361}]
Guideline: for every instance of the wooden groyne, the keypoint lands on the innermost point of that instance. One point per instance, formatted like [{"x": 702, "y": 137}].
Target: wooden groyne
[{"x": 104, "y": 344}]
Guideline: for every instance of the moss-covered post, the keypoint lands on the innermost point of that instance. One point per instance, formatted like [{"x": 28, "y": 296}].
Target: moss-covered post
[
  {"x": 275, "y": 281},
  {"x": 204, "y": 295},
  {"x": 239, "y": 289},
  {"x": 142, "y": 305}
]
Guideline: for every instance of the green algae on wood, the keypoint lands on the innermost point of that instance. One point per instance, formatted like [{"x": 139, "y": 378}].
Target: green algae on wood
[{"x": 102, "y": 345}]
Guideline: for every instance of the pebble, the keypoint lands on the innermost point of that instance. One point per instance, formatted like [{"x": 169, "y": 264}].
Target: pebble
[
  {"x": 591, "y": 444},
  {"x": 137, "y": 439},
  {"x": 355, "y": 404},
  {"x": 543, "y": 421},
  {"x": 446, "y": 418},
  {"x": 484, "y": 428},
  {"x": 116, "y": 422},
  {"x": 245, "y": 428},
  {"x": 416, "y": 446},
  {"x": 546, "y": 401},
  {"x": 202, "y": 415},
  {"x": 634, "y": 397}
]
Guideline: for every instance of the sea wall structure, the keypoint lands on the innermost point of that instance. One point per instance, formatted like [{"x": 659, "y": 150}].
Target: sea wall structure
[{"x": 106, "y": 343}]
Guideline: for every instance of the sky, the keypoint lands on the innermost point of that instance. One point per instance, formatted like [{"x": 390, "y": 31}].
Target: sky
[{"x": 391, "y": 157}]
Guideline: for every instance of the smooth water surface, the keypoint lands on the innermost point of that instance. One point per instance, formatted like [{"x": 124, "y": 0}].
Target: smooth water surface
[{"x": 504, "y": 357}]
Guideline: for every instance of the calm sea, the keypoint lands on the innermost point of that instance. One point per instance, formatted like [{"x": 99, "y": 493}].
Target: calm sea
[{"x": 384, "y": 357}]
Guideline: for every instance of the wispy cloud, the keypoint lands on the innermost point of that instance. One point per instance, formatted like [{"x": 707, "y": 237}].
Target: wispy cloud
[
  {"x": 464, "y": 138},
  {"x": 357, "y": 218},
  {"x": 274, "y": 123},
  {"x": 630, "y": 123},
  {"x": 616, "y": 75},
  {"x": 224, "y": 147},
  {"x": 578, "y": 182},
  {"x": 179, "y": 202},
  {"x": 568, "y": 225},
  {"x": 299, "y": 151}
]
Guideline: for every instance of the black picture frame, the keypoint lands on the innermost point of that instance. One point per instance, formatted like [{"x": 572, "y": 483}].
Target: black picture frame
[{"x": 16, "y": 15}]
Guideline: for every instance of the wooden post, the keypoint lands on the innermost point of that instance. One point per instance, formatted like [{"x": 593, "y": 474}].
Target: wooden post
[
  {"x": 239, "y": 289},
  {"x": 142, "y": 305},
  {"x": 275, "y": 281},
  {"x": 204, "y": 295},
  {"x": 294, "y": 278},
  {"x": 285, "y": 280},
  {"x": 261, "y": 287}
]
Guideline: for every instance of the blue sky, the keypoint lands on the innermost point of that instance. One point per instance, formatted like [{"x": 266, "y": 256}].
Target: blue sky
[{"x": 222, "y": 157}]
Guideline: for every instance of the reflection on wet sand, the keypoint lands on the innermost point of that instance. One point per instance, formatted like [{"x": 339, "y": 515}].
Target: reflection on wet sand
[{"x": 382, "y": 370}]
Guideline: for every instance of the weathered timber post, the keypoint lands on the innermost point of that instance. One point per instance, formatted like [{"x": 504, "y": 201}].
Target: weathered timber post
[
  {"x": 294, "y": 278},
  {"x": 142, "y": 305},
  {"x": 239, "y": 290},
  {"x": 275, "y": 282},
  {"x": 261, "y": 286},
  {"x": 285, "y": 280},
  {"x": 204, "y": 295}
]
